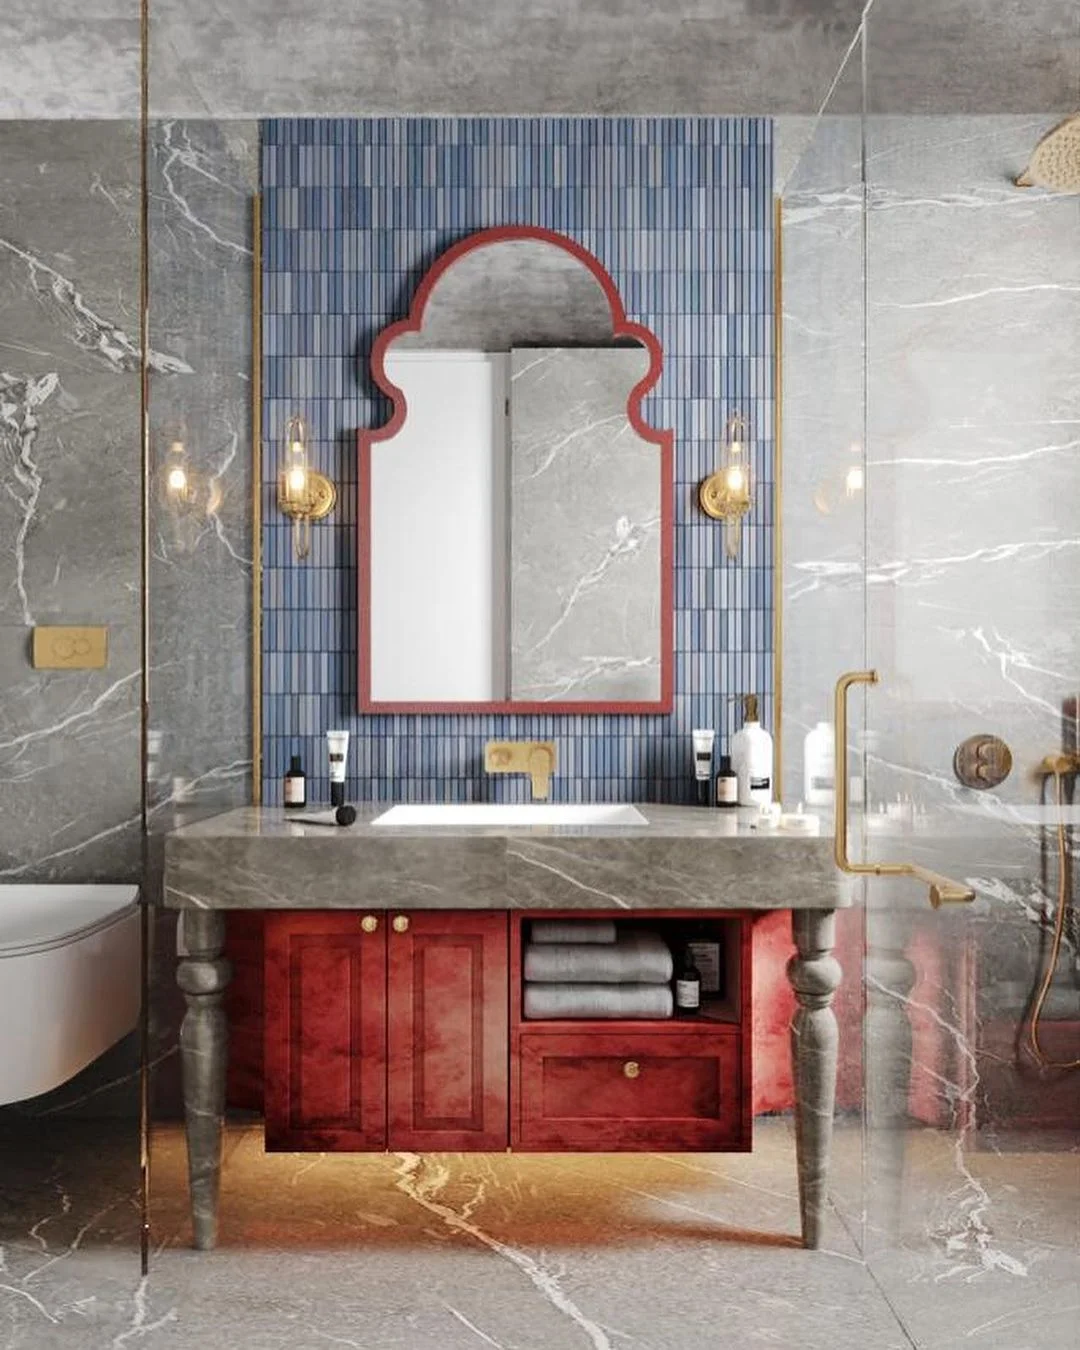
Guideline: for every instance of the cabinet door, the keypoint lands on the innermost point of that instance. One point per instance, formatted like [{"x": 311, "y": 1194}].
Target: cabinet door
[
  {"x": 448, "y": 1017},
  {"x": 325, "y": 1046}
]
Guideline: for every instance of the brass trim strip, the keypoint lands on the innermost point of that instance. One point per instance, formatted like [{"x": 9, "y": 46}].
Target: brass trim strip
[
  {"x": 145, "y": 471},
  {"x": 256, "y": 501},
  {"x": 943, "y": 891},
  {"x": 778, "y": 497}
]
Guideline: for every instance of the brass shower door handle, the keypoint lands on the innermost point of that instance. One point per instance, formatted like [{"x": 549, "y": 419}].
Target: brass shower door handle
[{"x": 942, "y": 890}]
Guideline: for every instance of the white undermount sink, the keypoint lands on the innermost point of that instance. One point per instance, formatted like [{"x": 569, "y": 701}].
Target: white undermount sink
[{"x": 495, "y": 813}]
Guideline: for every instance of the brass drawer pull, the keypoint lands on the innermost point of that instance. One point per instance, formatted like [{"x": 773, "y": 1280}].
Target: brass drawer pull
[
  {"x": 369, "y": 923},
  {"x": 631, "y": 1069},
  {"x": 401, "y": 923}
]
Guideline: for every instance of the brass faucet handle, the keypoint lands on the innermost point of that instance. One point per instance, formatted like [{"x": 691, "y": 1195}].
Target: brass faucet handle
[{"x": 943, "y": 891}]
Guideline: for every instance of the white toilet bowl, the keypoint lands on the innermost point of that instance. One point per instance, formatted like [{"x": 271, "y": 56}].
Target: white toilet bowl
[{"x": 69, "y": 981}]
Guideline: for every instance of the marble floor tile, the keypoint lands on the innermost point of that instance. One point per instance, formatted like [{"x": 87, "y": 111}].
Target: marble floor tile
[
  {"x": 988, "y": 1248},
  {"x": 519, "y": 1252}
]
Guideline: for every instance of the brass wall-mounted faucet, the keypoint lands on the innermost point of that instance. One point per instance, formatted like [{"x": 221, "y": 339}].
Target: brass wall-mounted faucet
[{"x": 536, "y": 758}]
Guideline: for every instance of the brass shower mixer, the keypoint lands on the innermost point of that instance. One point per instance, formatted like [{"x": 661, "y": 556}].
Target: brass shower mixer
[{"x": 1059, "y": 765}]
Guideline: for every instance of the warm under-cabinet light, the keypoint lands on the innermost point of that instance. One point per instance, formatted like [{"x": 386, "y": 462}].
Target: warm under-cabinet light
[
  {"x": 303, "y": 492},
  {"x": 727, "y": 494}
]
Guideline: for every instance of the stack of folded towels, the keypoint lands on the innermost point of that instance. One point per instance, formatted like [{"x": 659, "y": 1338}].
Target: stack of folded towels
[{"x": 588, "y": 968}]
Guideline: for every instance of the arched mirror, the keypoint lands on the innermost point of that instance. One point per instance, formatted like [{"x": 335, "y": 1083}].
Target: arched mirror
[{"x": 515, "y": 513}]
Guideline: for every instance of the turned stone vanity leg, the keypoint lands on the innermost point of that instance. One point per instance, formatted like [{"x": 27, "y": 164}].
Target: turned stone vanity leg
[
  {"x": 203, "y": 974},
  {"x": 814, "y": 974},
  {"x": 891, "y": 977}
]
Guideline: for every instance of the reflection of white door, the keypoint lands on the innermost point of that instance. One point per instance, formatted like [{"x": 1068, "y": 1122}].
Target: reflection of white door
[{"x": 438, "y": 533}]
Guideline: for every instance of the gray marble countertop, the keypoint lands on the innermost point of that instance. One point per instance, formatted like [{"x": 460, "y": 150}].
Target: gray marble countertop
[{"x": 683, "y": 858}]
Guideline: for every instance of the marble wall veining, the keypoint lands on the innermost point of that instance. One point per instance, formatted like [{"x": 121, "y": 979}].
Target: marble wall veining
[
  {"x": 949, "y": 571},
  {"x": 679, "y": 211},
  {"x": 823, "y": 520},
  {"x": 203, "y": 177},
  {"x": 720, "y": 57},
  {"x": 973, "y": 534},
  {"x": 585, "y": 492},
  {"x": 70, "y": 778},
  {"x": 974, "y": 464}
]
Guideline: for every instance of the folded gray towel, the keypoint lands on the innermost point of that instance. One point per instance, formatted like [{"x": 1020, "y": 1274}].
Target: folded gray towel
[
  {"x": 573, "y": 930},
  {"x": 597, "y": 1000},
  {"x": 636, "y": 957}
]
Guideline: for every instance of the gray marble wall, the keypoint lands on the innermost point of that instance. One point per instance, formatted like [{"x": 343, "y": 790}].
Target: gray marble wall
[
  {"x": 71, "y": 460},
  {"x": 823, "y": 407},
  {"x": 718, "y": 57},
  {"x": 974, "y": 462},
  {"x": 203, "y": 176},
  {"x": 958, "y": 587},
  {"x": 70, "y": 768},
  {"x": 951, "y": 571},
  {"x": 974, "y": 482},
  {"x": 70, "y": 455},
  {"x": 70, "y": 782}
]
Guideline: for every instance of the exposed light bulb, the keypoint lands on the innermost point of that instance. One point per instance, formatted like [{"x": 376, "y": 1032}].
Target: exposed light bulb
[
  {"x": 297, "y": 479},
  {"x": 735, "y": 478},
  {"x": 854, "y": 480},
  {"x": 177, "y": 480}
]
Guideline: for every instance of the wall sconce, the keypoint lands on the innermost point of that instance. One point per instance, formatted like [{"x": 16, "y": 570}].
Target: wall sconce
[
  {"x": 304, "y": 494},
  {"x": 727, "y": 494},
  {"x": 843, "y": 488},
  {"x": 854, "y": 480},
  {"x": 177, "y": 479}
]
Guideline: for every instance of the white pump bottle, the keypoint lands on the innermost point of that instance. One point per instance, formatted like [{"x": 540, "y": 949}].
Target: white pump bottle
[{"x": 752, "y": 758}]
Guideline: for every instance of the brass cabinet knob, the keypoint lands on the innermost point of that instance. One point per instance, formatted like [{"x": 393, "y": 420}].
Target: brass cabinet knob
[
  {"x": 401, "y": 923},
  {"x": 369, "y": 923},
  {"x": 631, "y": 1069}
]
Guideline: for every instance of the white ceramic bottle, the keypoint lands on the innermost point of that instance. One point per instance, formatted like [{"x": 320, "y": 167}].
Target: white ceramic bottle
[
  {"x": 819, "y": 770},
  {"x": 752, "y": 758}
]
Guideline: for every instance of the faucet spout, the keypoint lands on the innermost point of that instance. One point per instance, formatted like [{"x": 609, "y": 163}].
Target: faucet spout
[{"x": 541, "y": 770}]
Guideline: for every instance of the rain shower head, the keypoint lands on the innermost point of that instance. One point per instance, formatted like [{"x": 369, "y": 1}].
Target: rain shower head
[{"x": 1055, "y": 161}]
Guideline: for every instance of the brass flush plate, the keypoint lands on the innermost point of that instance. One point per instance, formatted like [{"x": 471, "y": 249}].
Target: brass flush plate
[
  {"x": 70, "y": 648},
  {"x": 982, "y": 761}
]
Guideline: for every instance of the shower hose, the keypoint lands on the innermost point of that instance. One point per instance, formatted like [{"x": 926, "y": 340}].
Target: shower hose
[{"x": 1059, "y": 769}]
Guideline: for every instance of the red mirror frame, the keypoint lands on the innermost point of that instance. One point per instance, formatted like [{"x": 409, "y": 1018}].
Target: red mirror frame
[{"x": 622, "y": 327}]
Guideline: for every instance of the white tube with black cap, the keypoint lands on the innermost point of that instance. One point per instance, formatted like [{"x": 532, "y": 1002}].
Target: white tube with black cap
[{"x": 337, "y": 746}]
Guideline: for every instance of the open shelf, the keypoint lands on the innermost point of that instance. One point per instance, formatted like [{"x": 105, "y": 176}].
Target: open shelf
[{"x": 722, "y": 1006}]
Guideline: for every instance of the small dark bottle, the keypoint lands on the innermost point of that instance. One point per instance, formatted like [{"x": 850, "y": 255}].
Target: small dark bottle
[
  {"x": 687, "y": 986},
  {"x": 727, "y": 784},
  {"x": 295, "y": 785}
]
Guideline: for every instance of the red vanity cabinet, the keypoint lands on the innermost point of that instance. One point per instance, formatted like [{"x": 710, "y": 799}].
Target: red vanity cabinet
[
  {"x": 324, "y": 1046},
  {"x": 386, "y": 1031},
  {"x": 405, "y": 1030}
]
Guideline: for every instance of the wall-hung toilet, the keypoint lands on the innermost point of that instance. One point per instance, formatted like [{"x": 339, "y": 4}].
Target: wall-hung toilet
[{"x": 69, "y": 981}]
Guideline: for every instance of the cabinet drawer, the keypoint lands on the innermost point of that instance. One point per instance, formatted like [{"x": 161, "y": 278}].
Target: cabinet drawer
[{"x": 609, "y": 1092}]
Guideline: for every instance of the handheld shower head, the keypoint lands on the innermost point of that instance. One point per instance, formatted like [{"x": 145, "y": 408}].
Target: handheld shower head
[{"x": 1055, "y": 161}]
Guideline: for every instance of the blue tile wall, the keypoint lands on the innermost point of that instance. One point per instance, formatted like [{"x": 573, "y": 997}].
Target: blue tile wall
[{"x": 679, "y": 210}]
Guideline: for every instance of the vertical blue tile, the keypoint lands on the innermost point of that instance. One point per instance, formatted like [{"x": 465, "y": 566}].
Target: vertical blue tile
[{"x": 680, "y": 212}]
